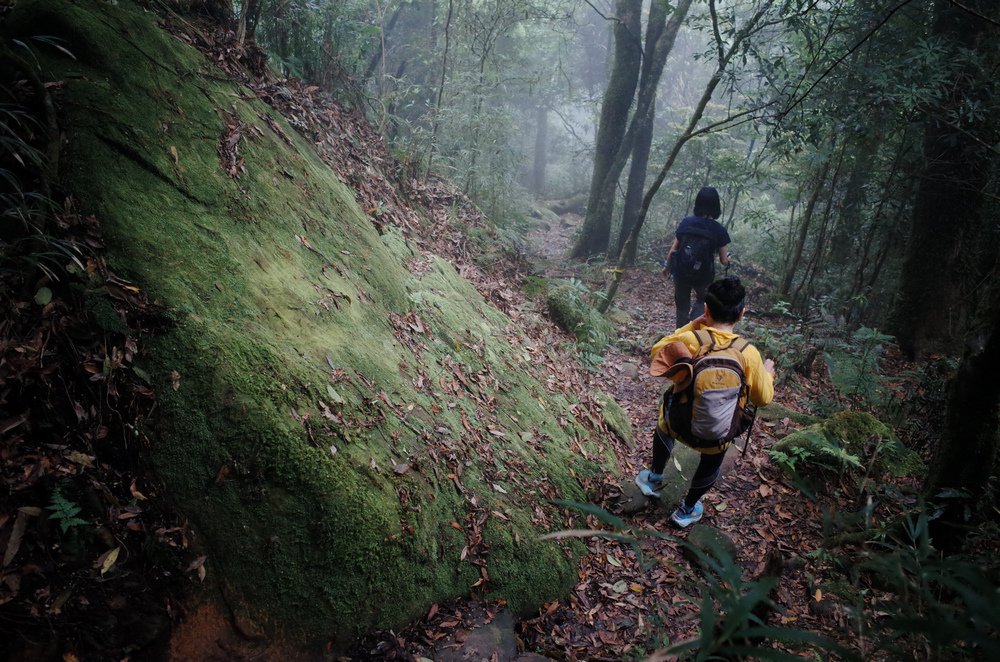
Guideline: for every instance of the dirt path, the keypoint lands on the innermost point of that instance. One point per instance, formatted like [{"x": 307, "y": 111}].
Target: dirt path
[{"x": 627, "y": 606}]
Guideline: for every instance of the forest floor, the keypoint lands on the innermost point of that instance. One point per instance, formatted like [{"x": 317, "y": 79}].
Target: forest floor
[
  {"x": 634, "y": 599},
  {"x": 630, "y": 600}
]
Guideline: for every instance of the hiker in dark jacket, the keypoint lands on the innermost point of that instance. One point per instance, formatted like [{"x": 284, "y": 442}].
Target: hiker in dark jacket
[{"x": 691, "y": 258}]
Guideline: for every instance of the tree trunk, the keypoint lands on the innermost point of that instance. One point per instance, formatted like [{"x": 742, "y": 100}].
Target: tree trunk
[
  {"x": 636, "y": 184},
  {"x": 378, "y": 57},
  {"x": 967, "y": 454},
  {"x": 541, "y": 150},
  {"x": 725, "y": 55},
  {"x": 596, "y": 229},
  {"x": 874, "y": 226},
  {"x": 660, "y": 37},
  {"x": 949, "y": 198},
  {"x": 804, "y": 221},
  {"x": 435, "y": 121},
  {"x": 816, "y": 260}
]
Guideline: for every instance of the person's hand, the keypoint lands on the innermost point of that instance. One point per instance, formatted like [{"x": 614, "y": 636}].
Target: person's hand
[{"x": 769, "y": 367}]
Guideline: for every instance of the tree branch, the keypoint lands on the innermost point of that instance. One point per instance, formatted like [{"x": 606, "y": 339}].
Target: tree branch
[
  {"x": 972, "y": 11},
  {"x": 843, "y": 57}
]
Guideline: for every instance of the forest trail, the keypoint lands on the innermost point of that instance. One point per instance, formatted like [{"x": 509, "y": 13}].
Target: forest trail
[
  {"x": 627, "y": 604},
  {"x": 621, "y": 606}
]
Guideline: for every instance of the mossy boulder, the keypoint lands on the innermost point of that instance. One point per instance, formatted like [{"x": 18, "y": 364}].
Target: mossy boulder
[
  {"x": 849, "y": 442},
  {"x": 779, "y": 412},
  {"x": 345, "y": 436},
  {"x": 568, "y": 307},
  {"x": 615, "y": 417}
]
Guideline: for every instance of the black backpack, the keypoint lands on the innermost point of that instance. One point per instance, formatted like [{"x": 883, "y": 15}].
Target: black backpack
[{"x": 694, "y": 259}]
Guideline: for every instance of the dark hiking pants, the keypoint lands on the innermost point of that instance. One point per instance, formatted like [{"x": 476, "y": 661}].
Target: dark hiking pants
[
  {"x": 687, "y": 311},
  {"x": 708, "y": 471}
]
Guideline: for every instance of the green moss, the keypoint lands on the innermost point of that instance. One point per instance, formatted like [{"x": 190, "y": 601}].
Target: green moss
[
  {"x": 535, "y": 286},
  {"x": 568, "y": 309},
  {"x": 849, "y": 442},
  {"x": 778, "y": 412},
  {"x": 282, "y": 292},
  {"x": 545, "y": 577},
  {"x": 616, "y": 417}
]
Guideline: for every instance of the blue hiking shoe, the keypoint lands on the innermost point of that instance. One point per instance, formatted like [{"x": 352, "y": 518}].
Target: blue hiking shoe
[
  {"x": 685, "y": 517},
  {"x": 649, "y": 483}
]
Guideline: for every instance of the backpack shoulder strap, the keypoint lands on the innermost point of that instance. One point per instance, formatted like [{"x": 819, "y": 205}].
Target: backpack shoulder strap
[
  {"x": 705, "y": 341},
  {"x": 739, "y": 344}
]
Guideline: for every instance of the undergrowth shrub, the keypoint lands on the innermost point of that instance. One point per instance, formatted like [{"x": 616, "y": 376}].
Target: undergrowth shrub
[
  {"x": 733, "y": 611},
  {"x": 911, "y": 602}
]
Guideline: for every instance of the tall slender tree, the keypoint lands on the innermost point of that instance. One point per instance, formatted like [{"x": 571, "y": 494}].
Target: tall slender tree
[{"x": 596, "y": 229}]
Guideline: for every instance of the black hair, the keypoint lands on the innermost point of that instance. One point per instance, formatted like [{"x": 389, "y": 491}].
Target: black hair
[
  {"x": 707, "y": 204},
  {"x": 725, "y": 300}
]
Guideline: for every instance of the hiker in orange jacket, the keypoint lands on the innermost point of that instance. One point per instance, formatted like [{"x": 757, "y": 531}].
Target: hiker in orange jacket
[{"x": 724, "y": 307}]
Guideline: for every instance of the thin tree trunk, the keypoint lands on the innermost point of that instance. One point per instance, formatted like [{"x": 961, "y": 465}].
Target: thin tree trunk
[
  {"x": 378, "y": 57},
  {"x": 804, "y": 222},
  {"x": 816, "y": 259},
  {"x": 435, "y": 121},
  {"x": 541, "y": 149},
  {"x": 875, "y": 224}
]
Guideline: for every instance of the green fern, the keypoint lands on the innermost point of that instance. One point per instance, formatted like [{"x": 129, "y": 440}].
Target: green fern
[{"x": 64, "y": 511}]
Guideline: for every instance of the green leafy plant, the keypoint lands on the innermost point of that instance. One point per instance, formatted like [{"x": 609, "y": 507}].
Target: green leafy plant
[
  {"x": 788, "y": 461},
  {"x": 64, "y": 511},
  {"x": 855, "y": 368},
  {"x": 930, "y": 606}
]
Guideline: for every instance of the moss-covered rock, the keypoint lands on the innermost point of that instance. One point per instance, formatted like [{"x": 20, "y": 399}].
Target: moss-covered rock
[
  {"x": 615, "y": 417},
  {"x": 848, "y": 441},
  {"x": 568, "y": 307},
  {"x": 778, "y": 412},
  {"x": 334, "y": 426}
]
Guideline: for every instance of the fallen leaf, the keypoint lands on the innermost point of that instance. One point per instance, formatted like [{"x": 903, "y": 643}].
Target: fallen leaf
[
  {"x": 433, "y": 610},
  {"x": 79, "y": 458},
  {"x": 614, "y": 561},
  {"x": 721, "y": 506},
  {"x": 106, "y": 561},
  {"x": 677, "y": 464},
  {"x": 175, "y": 379},
  {"x": 818, "y": 595},
  {"x": 334, "y": 396},
  {"x": 16, "y": 534},
  {"x": 199, "y": 565},
  {"x": 765, "y": 490},
  {"x": 43, "y": 296},
  {"x": 400, "y": 469}
]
